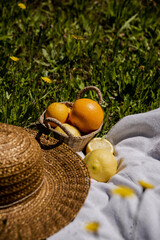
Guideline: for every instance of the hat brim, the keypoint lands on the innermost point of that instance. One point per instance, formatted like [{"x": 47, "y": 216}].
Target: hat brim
[{"x": 64, "y": 190}]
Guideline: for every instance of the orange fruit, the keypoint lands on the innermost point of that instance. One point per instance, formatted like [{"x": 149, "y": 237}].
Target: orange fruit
[
  {"x": 68, "y": 121},
  {"x": 57, "y": 110},
  {"x": 86, "y": 114}
]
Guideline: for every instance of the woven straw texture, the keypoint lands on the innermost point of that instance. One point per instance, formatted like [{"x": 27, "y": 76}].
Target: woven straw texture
[
  {"x": 44, "y": 187},
  {"x": 76, "y": 143}
]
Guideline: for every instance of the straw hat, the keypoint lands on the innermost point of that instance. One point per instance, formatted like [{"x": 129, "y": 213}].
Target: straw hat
[{"x": 42, "y": 186}]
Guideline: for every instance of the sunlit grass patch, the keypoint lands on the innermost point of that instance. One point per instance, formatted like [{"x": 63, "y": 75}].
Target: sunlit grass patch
[{"x": 113, "y": 45}]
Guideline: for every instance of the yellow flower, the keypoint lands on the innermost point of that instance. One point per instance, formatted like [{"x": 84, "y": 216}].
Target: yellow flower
[
  {"x": 142, "y": 67},
  {"x": 15, "y": 59},
  {"x": 22, "y": 6},
  {"x": 145, "y": 185},
  {"x": 77, "y": 37},
  {"x": 123, "y": 191},
  {"x": 92, "y": 227},
  {"x": 46, "y": 79}
]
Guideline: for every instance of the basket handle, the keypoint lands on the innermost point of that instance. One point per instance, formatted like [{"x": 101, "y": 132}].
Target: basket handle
[
  {"x": 49, "y": 119},
  {"x": 91, "y": 88}
]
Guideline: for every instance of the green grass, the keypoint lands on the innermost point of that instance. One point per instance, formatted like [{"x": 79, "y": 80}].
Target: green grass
[{"x": 119, "y": 53}]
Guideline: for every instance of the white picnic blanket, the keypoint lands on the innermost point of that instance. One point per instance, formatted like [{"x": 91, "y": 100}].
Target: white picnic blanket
[{"x": 136, "y": 139}]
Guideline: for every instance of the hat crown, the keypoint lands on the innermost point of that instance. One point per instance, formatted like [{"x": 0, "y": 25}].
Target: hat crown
[{"x": 21, "y": 164}]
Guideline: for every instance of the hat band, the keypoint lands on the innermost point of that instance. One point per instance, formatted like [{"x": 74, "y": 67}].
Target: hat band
[{"x": 23, "y": 199}]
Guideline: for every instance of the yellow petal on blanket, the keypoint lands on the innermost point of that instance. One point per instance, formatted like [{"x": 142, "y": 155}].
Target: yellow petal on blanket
[
  {"x": 123, "y": 191},
  {"x": 145, "y": 185},
  {"x": 92, "y": 227}
]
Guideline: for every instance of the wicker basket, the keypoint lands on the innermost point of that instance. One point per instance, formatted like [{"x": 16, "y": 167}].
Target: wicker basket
[{"x": 76, "y": 143}]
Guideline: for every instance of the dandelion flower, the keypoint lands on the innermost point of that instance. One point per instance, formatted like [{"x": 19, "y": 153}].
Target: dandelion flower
[
  {"x": 123, "y": 191},
  {"x": 77, "y": 37},
  {"x": 46, "y": 79},
  {"x": 15, "y": 59},
  {"x": 22, "y": 6},
  {"x": 145, "y": 185},
  {"x": 142, "y": 67},
  {"x": 92, "y": 227}
]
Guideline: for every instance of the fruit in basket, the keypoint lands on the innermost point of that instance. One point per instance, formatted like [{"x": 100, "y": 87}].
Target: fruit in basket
[
  {"x": 58, "y": 111},
  {"x": 99, "y": 143},
  {"x": 86, "y": 114},
  {"x": 71, "y": 128},
  {"x": 67, "y": 120},
  {"x": 102, "y": 164}
]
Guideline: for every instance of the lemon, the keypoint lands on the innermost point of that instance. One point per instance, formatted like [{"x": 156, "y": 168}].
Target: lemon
[
  {"x": 102, "y": 164},
  {"x": 70, "y": 128},
  {"x": 99, "y": 143}
]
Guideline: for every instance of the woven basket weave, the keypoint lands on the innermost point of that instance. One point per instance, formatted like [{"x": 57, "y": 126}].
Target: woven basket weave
[{"x": 76, "y": 143}]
